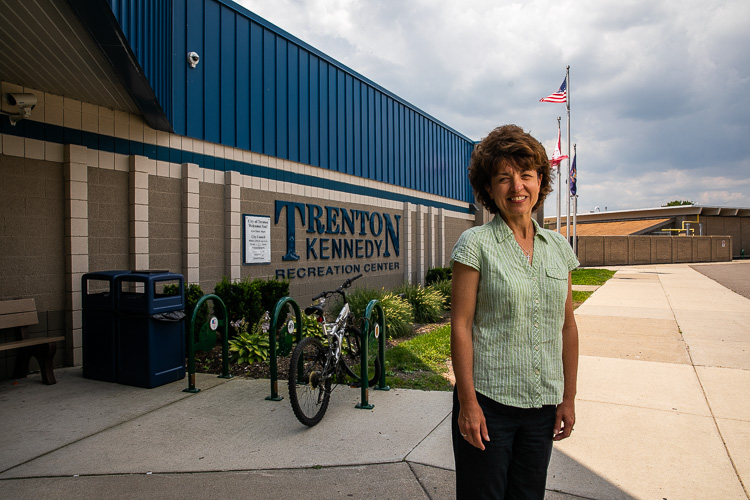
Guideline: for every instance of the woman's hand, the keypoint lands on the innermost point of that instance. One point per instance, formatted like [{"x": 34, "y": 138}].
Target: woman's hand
[
  {"x": 566, "y": 411},
  {"x": 472, "y": 424},
  {"x": 464, "y": 286},
  {"x": 564, "y": 420}
]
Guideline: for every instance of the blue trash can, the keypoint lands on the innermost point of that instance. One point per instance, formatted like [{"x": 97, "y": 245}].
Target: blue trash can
[
  {"x": 150, "y": 346},
  {"x": 99, "y": 328}
]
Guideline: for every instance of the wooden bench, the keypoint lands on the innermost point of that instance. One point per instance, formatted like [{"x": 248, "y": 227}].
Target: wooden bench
[{"x": 19, "y": 315}]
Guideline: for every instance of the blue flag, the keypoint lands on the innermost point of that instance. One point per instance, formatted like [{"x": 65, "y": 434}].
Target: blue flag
[{"x": 573, "y": 174}]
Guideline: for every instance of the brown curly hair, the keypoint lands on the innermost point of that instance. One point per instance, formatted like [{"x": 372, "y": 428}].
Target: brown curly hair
[{"x": 508, "y": 145}]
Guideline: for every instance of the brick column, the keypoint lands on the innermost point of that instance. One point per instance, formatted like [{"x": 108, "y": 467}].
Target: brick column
[
  {"x": 191, "y": 223},
  {"x": 442, "y": 259},
  {"x": 407, "y": 239},
  {"x": 233, "y": 224},
  {"x": 76, "y": 246},
  {"x": 140, "y": 168},
  {"x": 422, "y": 245},
  {"x": 432, "y": 237}
]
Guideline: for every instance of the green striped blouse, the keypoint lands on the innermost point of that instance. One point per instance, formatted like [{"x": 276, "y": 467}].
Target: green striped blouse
[{"x": 517, "y": 331}]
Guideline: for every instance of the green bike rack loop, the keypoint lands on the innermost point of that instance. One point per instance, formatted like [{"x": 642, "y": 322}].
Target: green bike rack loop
[
  {"x": 207, "y": 338},
  {"x": 379, "y": 333},
  {"x": 286, "y": 338}
]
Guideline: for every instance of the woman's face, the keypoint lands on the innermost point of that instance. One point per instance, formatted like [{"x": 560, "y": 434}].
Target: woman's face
[{"x": 514, "y": 191}]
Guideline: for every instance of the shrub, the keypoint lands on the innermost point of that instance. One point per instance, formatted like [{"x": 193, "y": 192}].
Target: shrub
[
  {"x": 271, "y": 291},
  {"x": 397, "y": 311},
  {"x": 443, "y": 287},
  {"x": 358, "y": 301},
  {"x": 243, "y": 302},
  {"x": 438, "y": 274},
  {"x": 250, "y": 346},
  {"x": 311, "y": 328},
  {"x": 249, "y": 299},
  {"x": 399, "y": 315},
  {"x": 427, "y": 303}
]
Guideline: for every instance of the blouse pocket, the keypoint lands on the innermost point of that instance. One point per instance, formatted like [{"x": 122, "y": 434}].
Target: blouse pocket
[
  {"x": 557, "y": 283},
  {"x": 557, "y": 273}
]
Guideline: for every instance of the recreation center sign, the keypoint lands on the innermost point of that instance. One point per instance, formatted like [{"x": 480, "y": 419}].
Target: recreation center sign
[{"x": 335, "y": 239}]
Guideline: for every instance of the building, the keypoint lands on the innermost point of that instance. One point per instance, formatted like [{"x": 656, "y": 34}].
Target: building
[
  {"x": 198, "y": 138},
  {"x": 651, "y": 235}
]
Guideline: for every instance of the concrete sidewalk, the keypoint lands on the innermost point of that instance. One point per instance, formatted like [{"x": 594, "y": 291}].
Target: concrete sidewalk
[{"x": 662, "y": 412}]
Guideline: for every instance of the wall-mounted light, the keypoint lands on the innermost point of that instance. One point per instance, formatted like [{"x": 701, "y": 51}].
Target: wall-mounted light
[
  {"x": 17, "y": 106},
  {"x": 193, "y": 59}
]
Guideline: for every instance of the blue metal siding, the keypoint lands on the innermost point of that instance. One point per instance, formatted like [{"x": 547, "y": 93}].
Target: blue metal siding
[
  {"x": 259, "y": 88},
  {"x": 243, "y": 82},
  {"x": 147, "y": 25}
]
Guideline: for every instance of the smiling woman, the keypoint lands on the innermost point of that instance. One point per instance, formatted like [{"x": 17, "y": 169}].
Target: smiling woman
[{"x": 514, "y": 341}]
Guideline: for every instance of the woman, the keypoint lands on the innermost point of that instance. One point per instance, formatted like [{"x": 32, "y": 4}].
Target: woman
[{"x": 514, "y": 340}]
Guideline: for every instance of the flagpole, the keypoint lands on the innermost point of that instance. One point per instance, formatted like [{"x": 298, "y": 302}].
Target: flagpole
[
  {"x": 575, "y": 207},
  {"x": 558, "y": 184},
  {"x": 567, "y": 105}
]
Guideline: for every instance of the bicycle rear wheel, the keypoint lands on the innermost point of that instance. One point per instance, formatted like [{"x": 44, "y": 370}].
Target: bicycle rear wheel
[
  {"x": 351, "y": 354},
  {"x": 309, "y": 388}
]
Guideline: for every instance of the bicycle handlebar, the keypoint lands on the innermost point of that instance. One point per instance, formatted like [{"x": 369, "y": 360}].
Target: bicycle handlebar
[{"x": 340, "y": 289}]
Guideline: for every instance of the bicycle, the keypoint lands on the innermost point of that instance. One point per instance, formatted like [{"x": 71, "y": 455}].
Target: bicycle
[{"x": 313, "y": 365}]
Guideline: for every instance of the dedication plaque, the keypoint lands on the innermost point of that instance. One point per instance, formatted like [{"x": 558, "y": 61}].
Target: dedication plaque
[{"x": 257, "y": 239}]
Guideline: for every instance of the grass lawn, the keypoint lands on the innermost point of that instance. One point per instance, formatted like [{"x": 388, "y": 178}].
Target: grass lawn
[
  {"x": 591, "y": 276},
  {"x": 580, "y": 297},
  {"x": 420, "y": 362}
]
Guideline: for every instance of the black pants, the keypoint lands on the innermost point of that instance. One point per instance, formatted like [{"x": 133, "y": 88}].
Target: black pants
[{"x": 514, "y": 463}]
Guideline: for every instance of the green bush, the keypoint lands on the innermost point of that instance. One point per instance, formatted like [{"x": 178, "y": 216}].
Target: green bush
[
  {"x": 358, "y": 301},
  {"x": 311, "y": 328},
  {"x": 427, "y": 303},
  {"x": 435, "y": 274},
  {"x": 443, "y": 287},
  {"x": 250, "y": 346},
  {"x": 243, "y": 302},
  {"x": 249, "y": 300},
  {"x": 398, "y": 313},
  {"x": 271, "y": 291}
]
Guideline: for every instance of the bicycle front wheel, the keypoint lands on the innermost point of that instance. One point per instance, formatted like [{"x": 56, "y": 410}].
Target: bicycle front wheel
[
  {"x": 351, "y": 354},
  {"x": 309, "y": 387}
]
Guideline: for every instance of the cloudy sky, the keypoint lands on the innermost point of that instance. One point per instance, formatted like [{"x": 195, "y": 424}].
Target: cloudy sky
[{"x": 660, "y": 89}]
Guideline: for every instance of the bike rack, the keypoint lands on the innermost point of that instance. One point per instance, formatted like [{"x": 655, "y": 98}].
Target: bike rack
[
  {"x": 207, "y": 339},
  {"x": 379, "y": 332},
  {"x": 287, "y": 340}
]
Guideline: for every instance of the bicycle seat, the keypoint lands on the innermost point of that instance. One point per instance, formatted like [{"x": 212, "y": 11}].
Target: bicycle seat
[{"x": 310, "y": 310}]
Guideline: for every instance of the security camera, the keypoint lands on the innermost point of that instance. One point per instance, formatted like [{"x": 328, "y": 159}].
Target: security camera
[
  {"x": 17, "y": 106},
  {"x": 23, "y": 101},
  {"x": 193, "y": 59}
]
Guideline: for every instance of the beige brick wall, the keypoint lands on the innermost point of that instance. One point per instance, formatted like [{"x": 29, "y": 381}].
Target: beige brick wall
[
  {"x": 212, "y": 253},
  {"x": 108, "y": 220},
  {"x": 32, "y": 244},
  {"x": 642, "y": 250},
  {"x": 165, "y": 223}
]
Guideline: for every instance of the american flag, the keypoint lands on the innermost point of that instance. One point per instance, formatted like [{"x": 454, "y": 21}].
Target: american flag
[{"x": 559, "y": 96}]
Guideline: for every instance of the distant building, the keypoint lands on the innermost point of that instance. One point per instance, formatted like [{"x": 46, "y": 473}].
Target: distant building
[{"x": 685, "y": 220}]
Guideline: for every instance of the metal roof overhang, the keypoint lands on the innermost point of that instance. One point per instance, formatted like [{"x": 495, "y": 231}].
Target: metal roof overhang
[
  {"x": 656, "y": 213},
  {"x": 75, "y": 49}
]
